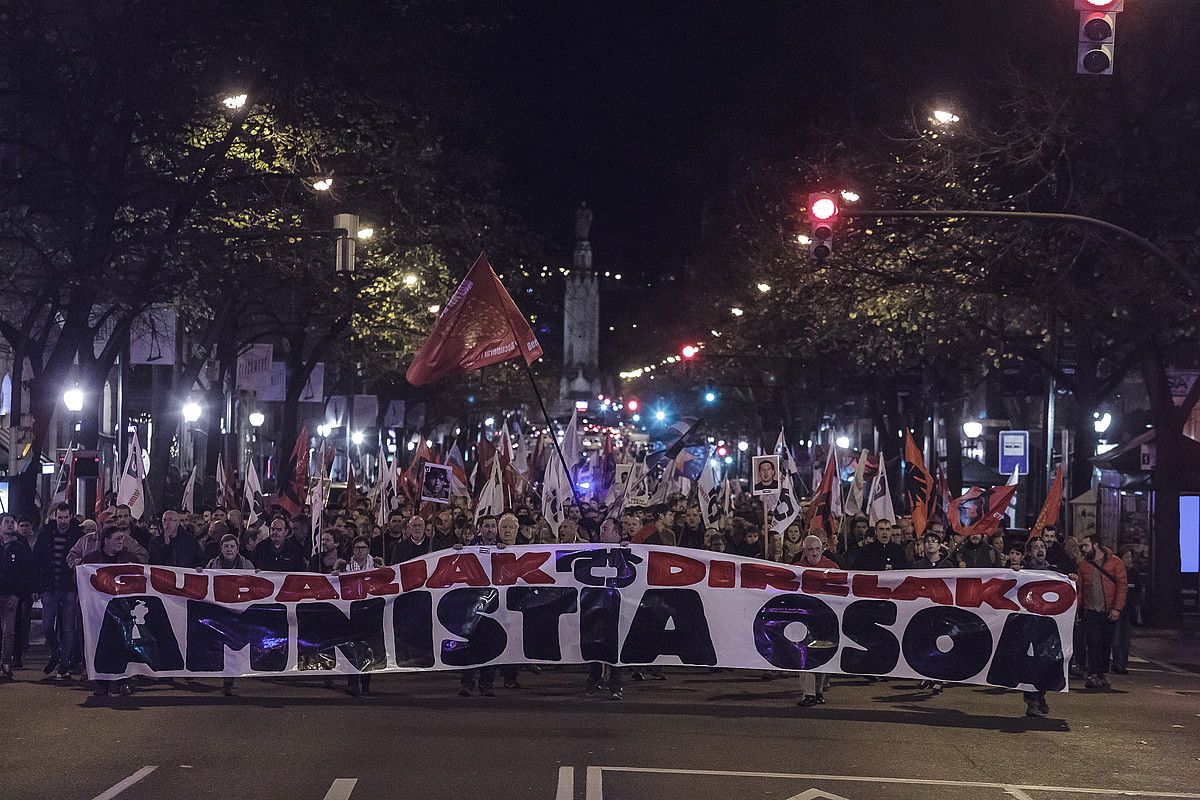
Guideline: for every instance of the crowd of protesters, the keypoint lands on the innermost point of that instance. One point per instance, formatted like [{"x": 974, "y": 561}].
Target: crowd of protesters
[{"x": 37, "y": 563}]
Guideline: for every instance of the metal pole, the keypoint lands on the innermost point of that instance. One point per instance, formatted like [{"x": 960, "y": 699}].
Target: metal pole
[
  {"x": 1050, "y": 432},
  {"x": 554, "y": 439}
]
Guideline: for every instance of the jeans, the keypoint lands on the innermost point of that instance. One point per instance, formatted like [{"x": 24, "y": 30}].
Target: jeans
[
  {"x": 483, "y": 677},
  {"x": 60, "y": 626},
  {"x": 1098, "y": 630},
  {"x": 596, "y": 676},
  {"x": 8, "y": 627},
  {"x": 24, "y": 621},
  {"x": 1124, "y": 630}
]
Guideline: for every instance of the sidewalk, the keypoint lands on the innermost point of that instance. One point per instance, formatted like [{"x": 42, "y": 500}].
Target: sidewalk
[{"x": 1176, "y": 647}]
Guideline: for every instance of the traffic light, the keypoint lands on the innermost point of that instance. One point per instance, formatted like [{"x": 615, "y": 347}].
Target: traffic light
[
  {"x": 1097, "y": 35},
  {"x": 722, "y": 451},
  {"x": 632, "y": 405},
  {"x": 822, "y": 214},
  {"x": 689, "y": 352}
]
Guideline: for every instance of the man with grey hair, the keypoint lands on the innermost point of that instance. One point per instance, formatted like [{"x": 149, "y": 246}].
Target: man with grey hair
[{"x": 812, "y": 556}]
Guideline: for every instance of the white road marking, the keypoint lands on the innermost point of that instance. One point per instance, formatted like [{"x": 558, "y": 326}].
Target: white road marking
[
  {"x": 873, "y": 779},
  {"x": 341, "y": 788},
  {"x": 817, "y": 794},
  {"x": 594, "y": 787},
  {"x": 566, "y": 784},
  {"x": 121, "y": 786}
]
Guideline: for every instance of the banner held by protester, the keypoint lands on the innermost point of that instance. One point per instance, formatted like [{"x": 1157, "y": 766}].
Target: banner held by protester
[{"x": 560, "y": 604}]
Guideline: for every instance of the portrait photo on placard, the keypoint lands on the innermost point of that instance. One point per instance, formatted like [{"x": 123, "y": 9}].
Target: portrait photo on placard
[
  {"x": 764, "y": 474},
  {"x": 435, "y": 483}
]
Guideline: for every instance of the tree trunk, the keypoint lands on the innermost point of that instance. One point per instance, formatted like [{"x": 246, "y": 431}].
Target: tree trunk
[{"x": 1169, "y": 478}]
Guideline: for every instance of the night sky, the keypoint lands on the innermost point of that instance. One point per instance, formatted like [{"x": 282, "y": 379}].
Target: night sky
[{"x": 641, "y": 107}]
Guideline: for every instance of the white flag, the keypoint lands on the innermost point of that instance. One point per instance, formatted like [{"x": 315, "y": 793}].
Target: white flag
[
  {"x": 491, "y": 497},
  {"x": 316, "y": 502},
  {"x": 570, "y": 442},
  {"x": 189, "y": 493},
  {"x": 520, "y": 452},
  {"x": 879, "y": 506},
  {"x": 129, "y": 491},
  {"x": 385, "y": 488},
  {"x": 787, "y": 507},
  {"x": 854, "y": 498},
  {"x": 556, "y": 492},
  {"x": 710, "y": 488},
  {"x": 254, "y": 496}
]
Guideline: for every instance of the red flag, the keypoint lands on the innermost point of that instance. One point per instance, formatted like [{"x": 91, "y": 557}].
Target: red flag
[
  {"x": 918, "y": 486},
  {"x": 986, "y": 507},
  {"x": 480, "y": 326},
  {"x": 1052, "y": 507},
  {"x": 824, "y": 510},
  {"x": 100, "y": 504},
  {"x": 294, "y": 491}
]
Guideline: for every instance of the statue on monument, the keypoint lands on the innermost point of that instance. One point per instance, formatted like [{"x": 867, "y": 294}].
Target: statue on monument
[{"x": 583, "y": 221}]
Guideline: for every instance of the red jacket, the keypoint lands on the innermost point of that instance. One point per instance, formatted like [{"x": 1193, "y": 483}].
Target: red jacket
[{"x": 1114, "y": 591}]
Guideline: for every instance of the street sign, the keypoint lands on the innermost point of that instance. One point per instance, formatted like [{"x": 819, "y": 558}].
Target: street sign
[{"x": 1014, "y": 452}]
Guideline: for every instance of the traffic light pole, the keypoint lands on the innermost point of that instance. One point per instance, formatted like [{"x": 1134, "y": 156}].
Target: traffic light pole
[{"x": 1044, "y": 216}]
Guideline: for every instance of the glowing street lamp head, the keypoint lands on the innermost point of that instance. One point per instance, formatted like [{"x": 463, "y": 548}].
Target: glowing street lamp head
[
  {"x": 323, "y": 184},
  {"x": 257, "y": 418},
  {"x": 689, "y": 351},
  {"x": 660, "y": 415},
  {"x": 366, "y": 233},
  {"x": 191, "y": 411},
  {"x": 972, "y": 429},
  {"x": 73, "y": 400},
  {"x": 357, "y": 437},
  {"x": 943, "y": 117},
  {"x": 234, "y": 101},
  {"x": 842, "y": 442}
]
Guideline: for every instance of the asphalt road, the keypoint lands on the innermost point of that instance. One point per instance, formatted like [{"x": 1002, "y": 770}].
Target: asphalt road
[{"x": 698, "y": 735}]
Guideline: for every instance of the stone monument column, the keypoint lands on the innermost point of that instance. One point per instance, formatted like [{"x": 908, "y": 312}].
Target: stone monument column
[{"x": 581, "y": 318}]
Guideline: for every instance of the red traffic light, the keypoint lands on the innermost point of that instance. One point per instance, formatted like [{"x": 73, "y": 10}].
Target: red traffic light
[
  {"x": 722, "y": 451},
  {"x": 822, "y": 207},
  {"x": 689, "y": 351},
  {"x": 632, "y": 404}
]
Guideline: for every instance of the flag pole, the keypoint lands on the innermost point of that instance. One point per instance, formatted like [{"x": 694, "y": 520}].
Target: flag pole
[{"x": 549, "y": 424}]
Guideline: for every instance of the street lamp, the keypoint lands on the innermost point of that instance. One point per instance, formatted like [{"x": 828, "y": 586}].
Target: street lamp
[
  {"x": 435, "y": 308},
  {"x": 324, "y": 430},
  {"x": 850, "y": 196},
  {"x": 357, "y": 437},
  {"x": 234, "y": 101},
  {"x": 256, "y": 418},
  {"x": 73, "y": 400},
  {"x": 410, "y": 279},
  {"x": 764, "y": 287},
  {"x": 1101, "y": 421},
  {"x": 366, "y": 233},
  {"x": 737, "y": 312},
  {"x": 743, "y": 446},
  {"x": 323, "y": 184},
  {"x": 943, "y": 117},
  {"x": 972, "y": 429},
  {"x": 842, "y": 442},
  {"x": 660, "y": 415},
  {"x": 192, "y": 411}
]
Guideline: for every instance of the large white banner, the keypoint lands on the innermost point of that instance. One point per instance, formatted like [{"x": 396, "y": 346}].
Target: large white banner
[{"x": 570, "y": 604}]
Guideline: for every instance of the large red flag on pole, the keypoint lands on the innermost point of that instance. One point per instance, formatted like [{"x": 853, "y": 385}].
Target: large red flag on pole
[
  {"x": 1051, "y": 508},
  {"x": 985, "y": 509},
  {"x": 918, "y": 486},
  {"x": 294, "y": 492},
  {"x": 479, "y": 326}
]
